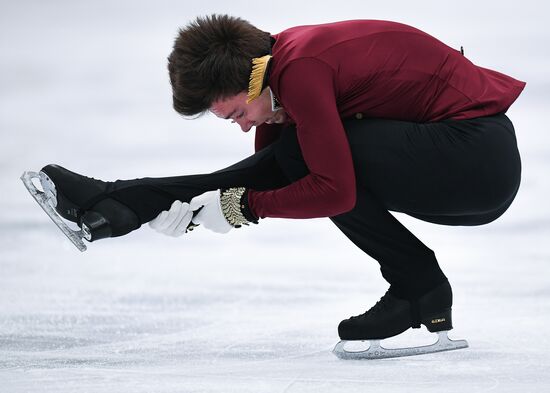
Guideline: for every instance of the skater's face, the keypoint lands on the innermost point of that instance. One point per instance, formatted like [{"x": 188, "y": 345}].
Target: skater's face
[{"x": 257, "y": 112}]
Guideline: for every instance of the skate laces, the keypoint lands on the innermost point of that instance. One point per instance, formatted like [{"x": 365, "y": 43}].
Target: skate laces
[{"x": 381, "y": 305}]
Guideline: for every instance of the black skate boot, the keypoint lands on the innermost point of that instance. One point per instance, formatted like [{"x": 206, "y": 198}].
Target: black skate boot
[
  {"x": 391, "y": 316},
  {"x": 86, "y": 201}
]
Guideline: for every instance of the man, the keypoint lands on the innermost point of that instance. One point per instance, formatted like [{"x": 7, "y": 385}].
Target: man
[{"x": 353, "y": 119}]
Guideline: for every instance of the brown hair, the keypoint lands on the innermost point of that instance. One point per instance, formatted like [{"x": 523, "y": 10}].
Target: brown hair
[{"x": 212, "y": 59}]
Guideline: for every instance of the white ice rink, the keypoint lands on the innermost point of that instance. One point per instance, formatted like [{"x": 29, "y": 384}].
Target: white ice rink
[{"x": 84, "y": 84}]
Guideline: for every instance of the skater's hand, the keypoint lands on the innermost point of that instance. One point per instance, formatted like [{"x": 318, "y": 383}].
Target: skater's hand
[
  {"x": 211, "y": 215},
  {"x": 173, "y": 222}
]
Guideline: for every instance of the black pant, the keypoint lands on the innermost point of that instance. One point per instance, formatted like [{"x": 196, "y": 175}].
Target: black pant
[{"x": 451, "y": 172}]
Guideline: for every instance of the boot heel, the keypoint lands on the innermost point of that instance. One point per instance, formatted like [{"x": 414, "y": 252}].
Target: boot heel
[
  {"x": 95, "y": 226},
  {"x": 440, "y": 321}
]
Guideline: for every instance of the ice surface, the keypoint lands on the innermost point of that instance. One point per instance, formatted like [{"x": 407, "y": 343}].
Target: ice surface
[{"x": 84, "y": 84}]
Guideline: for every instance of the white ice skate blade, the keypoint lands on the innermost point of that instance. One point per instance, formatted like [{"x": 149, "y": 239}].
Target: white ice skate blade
[
  {"x": 42, "y": 198},
  {"x": 376, "y": 351}
]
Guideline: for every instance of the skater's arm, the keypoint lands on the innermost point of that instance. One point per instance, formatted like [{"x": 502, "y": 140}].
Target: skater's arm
[{"x": 307, "y": 93}]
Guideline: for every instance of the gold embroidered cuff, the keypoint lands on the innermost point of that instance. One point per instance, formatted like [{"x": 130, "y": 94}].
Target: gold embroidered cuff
[{"x": 230, "y": 200}]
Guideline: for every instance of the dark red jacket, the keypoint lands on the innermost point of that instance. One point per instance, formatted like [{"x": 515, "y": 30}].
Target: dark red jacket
[{"x": 323, "y": 73}]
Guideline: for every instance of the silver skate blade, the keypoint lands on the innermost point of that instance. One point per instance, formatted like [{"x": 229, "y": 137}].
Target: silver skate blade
[
  {"x": 376, "y": 351},
  {"x": 40, "y": 197}
]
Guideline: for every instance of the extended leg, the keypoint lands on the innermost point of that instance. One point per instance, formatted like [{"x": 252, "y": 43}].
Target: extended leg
[
  {"x": 110, "y": 209},
  {"x": 149, "y": 196}
]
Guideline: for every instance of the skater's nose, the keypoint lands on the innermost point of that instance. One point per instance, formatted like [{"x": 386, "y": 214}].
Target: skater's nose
[{"x": 245, "y": 124}]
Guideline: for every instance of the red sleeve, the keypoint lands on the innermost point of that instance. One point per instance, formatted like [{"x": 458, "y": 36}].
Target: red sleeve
[
  {"x": 266, "y": 134},
  {"x": 306, "y": 90}
]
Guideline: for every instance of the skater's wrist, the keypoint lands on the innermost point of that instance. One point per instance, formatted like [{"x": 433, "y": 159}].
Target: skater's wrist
[{"x": 235, "y": 206}]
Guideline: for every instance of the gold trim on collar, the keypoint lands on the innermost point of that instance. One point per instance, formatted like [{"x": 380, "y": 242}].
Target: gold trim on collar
[{"x": 257, "y": 77}]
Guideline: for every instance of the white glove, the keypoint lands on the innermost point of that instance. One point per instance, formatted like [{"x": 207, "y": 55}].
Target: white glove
[
  {"x": 173, "y": 222},
  {"x": 211, "y": 215}
]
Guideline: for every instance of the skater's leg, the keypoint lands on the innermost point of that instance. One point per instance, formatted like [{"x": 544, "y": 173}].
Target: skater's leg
[
  {"x": 452, "y": 172},
  {"x": 456, "y": 174},
  {"x": 147, "y": 197},
  {"x": 389, "y": 158},
  {"x": 124, "y": 205}
]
